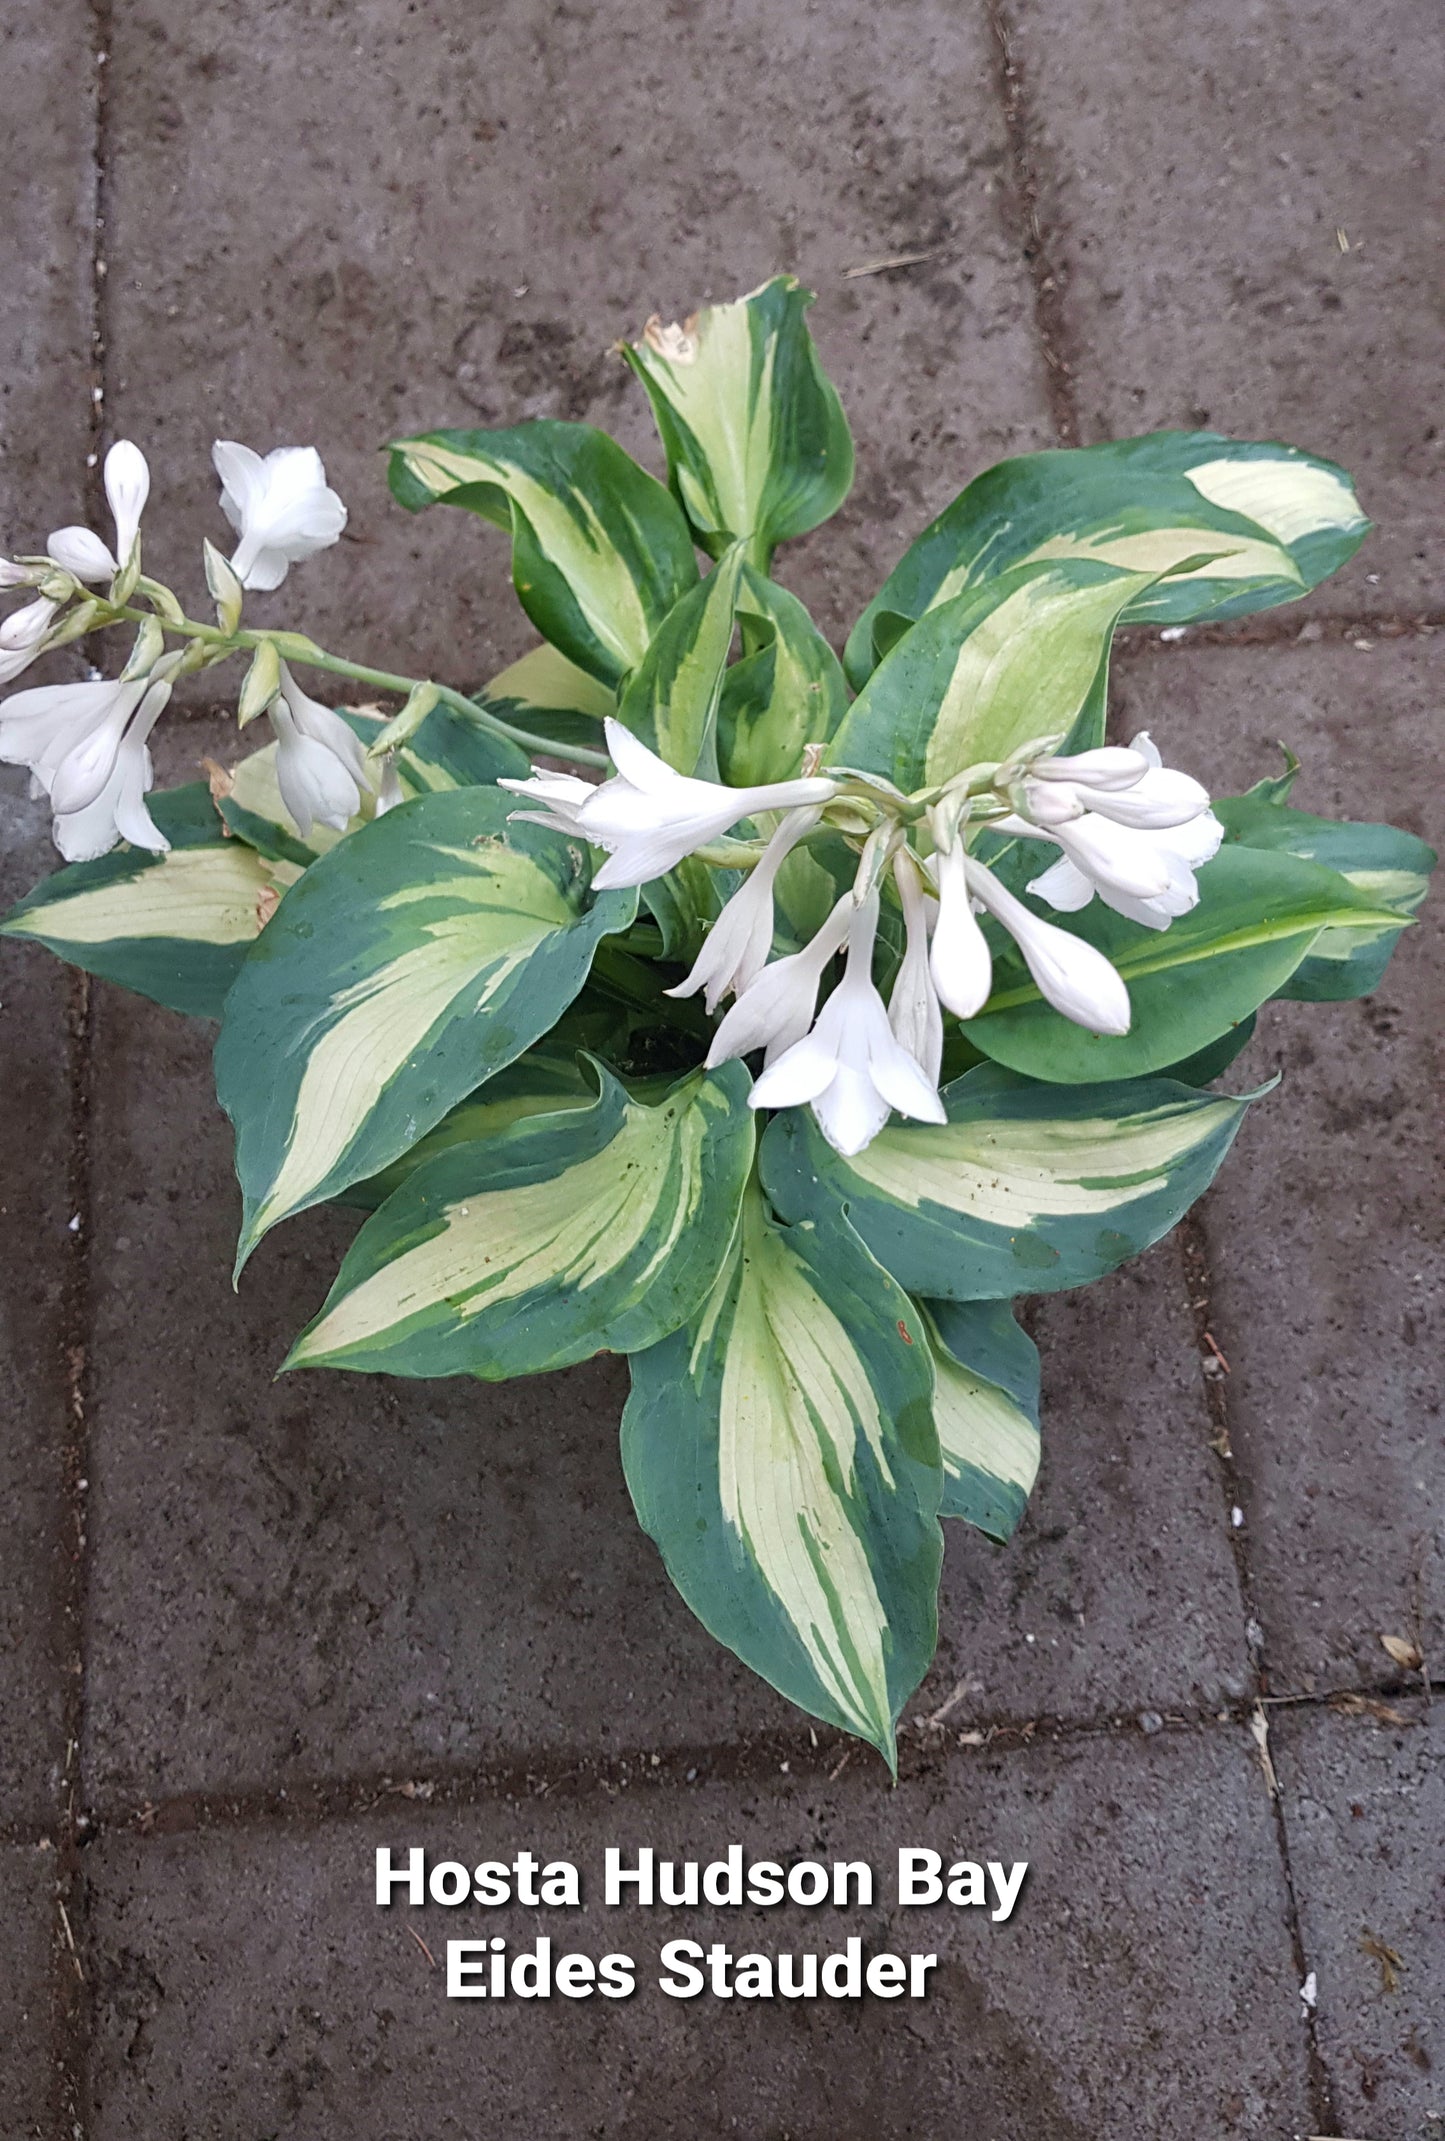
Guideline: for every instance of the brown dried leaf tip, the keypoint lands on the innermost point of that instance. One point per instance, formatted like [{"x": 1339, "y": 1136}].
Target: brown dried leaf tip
[{"x": 678, "y": 345}]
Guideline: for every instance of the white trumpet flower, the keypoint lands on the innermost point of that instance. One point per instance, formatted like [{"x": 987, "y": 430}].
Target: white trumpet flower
[
  {"x": 1070, "y": 974},
  {"x": 281, "y": 508},
  {"x": 561, "y": 795},
  {"x": 1068, "y": 887},
  {"x": 851, "y": 1068},
  {"x": 81, "y": 553},
  {"x": 13, "y": 575},
  {"x": 1136, "y": 846},
  {"x": 778, "y": 1007},
  {"x": 735, "y": 949},
  {"x": 44, "y": 728},
  {"x": 651, "y": 817},
  {"x": 24, "y": 629},
  {"x": 127, "y": 487},
  {"x": 960, "y": 962},
  {"x": 914, "y": 1011},
  {"x": 321, "y": 767},
  {"x": 119, "y": 811}
]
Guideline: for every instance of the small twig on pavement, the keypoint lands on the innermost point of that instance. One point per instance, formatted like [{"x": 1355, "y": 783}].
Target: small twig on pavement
[
  {"x": 894, "y": 260},
  {"x": 70, "y": 1943}
]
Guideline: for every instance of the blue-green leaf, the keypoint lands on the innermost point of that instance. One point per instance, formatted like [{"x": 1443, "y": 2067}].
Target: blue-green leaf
[
  {"x": 758, "y": 447},
  {"x": 175, "y": 927},
  {"x": 786, "y": 693},
  {"x": 986, "y": 1410},
  {"x": 595, "y": 1229},
  {"x": 549, "y": 696},
  {"x": 985, "y": 673},
  {"x": 600, "y": 552},
  {"x": 428, "y": 950},
  {"x": 1266, "y": 524},
  {"x": 542, "y": 1082},
  {"x": 1025, "y": 1189},
  {"x": 671, "y": 701},
  {"x": 1259, "y": 915},
  {"x": 781, "y": 1451},
  {"x": 1389, "y": 868}
]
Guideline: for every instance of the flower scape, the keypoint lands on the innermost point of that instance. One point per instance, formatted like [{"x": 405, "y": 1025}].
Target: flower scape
[{"x": 820, "y": 1011}]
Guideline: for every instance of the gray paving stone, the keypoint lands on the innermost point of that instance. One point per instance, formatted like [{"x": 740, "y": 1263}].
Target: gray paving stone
[
  {"x": 252, "y": 1966},
  {"x": 381, "y": 256},
  {"x": 26, "y": 1912},
  {"x": 47, "y": 142},
  {"x": 1325, "y": 1227},
  {"x": 1365, "y": 1808},
  {"x": 1119, "y": 1591},
  {"x": 1200, "y": 172},
  {"x": 46, "y": 124}
]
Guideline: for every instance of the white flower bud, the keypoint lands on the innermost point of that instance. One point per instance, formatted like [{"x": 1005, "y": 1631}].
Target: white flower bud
[
  {"x": 1071, "y": 975},
  {"x": 960, "y": 961},
  {"x": 127, "y": 487},
  {"x": 80, "y": 552},
  {"x": 25, "y": 628}
]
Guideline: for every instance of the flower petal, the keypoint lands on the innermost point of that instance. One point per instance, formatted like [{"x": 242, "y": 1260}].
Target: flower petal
[
  {"x": 850, "y": 1111},
  {"x": 1064, "y": 886}
]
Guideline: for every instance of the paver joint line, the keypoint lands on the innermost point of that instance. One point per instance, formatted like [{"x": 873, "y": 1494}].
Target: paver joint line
[
  {"x": 1039, "y": 254},
  {"x": 1195, "y": 1272},
  {"x": 926, "y": 1754},
  {"x": 1195, "y": 1277},
  {"x": 69, "y": 1988}
]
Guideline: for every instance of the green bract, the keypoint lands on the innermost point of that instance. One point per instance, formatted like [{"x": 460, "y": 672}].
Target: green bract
[{"x": 490, "y": 1021}]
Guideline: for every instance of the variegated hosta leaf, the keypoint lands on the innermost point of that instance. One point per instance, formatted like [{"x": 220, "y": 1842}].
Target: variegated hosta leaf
[
  {"x": 539, "y": 1083},
  {"x": 549, "y": 696},
  {"x": 596, "y": 1229},
  {"x": 446, "y": 752},
  {"x": 986, "y": 1410},
  {"x": 758, "y": 447},
  {"x": 985, "y": 673},
  {"x": 1267, "y": 524},
  {"x": 427, "y": 951},
  {"x": 780, "y": 1449},
  {"x": 672, "y": 700},
  {"x": 600, "y": 552},
  {"x": 1259, "y": 915},
  {"x": 175, "y": 927},
  {"x": 1025, "y": 1189},
  {"x": 685, "y": 903},
  {"x": 450, "y": 751},
  {"x": 785, "y": 693},
  {"x": 1388, "y": 867}
]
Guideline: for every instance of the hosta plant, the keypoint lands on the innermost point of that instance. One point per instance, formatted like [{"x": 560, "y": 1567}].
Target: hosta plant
[{"x": 688, "y": 992}]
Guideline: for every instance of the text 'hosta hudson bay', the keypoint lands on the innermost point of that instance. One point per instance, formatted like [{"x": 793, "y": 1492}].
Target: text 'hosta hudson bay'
[{"x": 824, "y": 1010}]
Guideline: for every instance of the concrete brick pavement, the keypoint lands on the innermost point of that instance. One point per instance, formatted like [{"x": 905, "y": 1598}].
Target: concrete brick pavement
[{"x": 327, "y": 1611}]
